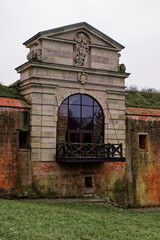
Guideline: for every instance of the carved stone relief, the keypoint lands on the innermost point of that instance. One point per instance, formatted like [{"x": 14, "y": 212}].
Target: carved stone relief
[
  {"x": 82, "y": 77},
  {"x": 81, "y": 48}
]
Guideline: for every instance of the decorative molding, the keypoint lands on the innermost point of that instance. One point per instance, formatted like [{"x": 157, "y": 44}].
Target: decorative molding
[
  {"x": 81, "y": 48},
  {"x": 55, "y": 66},
  {"x": 82, "y": 77}
]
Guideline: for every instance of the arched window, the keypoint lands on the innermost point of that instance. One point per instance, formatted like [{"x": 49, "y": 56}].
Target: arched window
[{"x": 80, "y": 120}]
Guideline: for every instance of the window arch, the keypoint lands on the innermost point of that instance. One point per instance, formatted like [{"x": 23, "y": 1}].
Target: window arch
[{"x": 80, "y": 120}]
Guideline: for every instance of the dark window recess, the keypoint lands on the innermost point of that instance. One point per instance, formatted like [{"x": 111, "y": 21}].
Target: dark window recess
[
  {"x": 23, "y": 140},
  {"x": 88, "y": 182},
  {"x": 142, "y": 141}
]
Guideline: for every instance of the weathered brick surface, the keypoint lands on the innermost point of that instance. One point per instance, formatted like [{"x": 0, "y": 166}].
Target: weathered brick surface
[
  {"x": 68, "y": 180},
  {"x": 13, "y": 172},
  {"x": 143, "y": 165}
]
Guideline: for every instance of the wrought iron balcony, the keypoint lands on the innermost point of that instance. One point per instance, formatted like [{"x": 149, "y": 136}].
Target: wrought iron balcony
[{"x": 89, "y": 152}]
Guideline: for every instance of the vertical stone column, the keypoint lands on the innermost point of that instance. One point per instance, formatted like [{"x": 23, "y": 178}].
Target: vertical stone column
[{"x": 43, "y": 124}]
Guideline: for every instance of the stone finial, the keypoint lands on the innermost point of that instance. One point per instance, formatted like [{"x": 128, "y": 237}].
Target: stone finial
[
  {"x": 81, "y": 48},
  {"x": 34, "y": 55},
  {"x": 122, "y": 67}
]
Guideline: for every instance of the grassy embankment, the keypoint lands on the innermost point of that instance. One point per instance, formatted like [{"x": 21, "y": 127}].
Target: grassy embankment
[
  {"x": 9, "y": 92},
  {"x": 147, "y": 98},
  {"x": 59, "y": 221}
]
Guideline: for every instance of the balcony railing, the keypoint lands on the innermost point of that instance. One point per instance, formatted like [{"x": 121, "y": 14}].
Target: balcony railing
[{"x": 89, "y": 152}]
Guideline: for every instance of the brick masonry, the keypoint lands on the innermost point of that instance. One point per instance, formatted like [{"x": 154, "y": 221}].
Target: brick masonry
[
  {"x": 14, "y": 168},
  {"x": 143, "y": 160}
]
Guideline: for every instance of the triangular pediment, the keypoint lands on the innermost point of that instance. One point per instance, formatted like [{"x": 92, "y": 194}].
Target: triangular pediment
[{"x": 68, "y": 33}]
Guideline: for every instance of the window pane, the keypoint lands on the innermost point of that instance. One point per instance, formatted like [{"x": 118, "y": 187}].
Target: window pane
[
  {"x": 75, "y": 138},
  {"x": 98, "y": 121},
  {"x": 63, "y": 110},
  {"x": 97, "y": 112},
  {"x": 98, "y": 130},
  {"x": 87, "y": 111},
  {"x": 74, "y": 123},
  {"x": 65, "y": 101},
  {"x": 74, "y": 111},
  {"x": 87, "y": 124},
  {"x": 96, "y": 104},
  {"x": 86, "y": 100},
  {"x": 86, "y": 138},
  {"x": 74, "y": 99}
]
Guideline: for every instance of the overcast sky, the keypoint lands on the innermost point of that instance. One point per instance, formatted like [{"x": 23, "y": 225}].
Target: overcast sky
[{"x": 133, "y": 23}]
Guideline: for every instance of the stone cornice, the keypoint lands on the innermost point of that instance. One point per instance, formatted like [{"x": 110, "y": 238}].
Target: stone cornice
[
  {"x": 27, "y": 83},
  {"x": 62, "y": 67},
  {"x": 38, "y": 85}
]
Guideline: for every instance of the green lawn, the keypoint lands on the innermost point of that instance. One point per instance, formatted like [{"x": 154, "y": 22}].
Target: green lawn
[{"x": 74, "y": 221}]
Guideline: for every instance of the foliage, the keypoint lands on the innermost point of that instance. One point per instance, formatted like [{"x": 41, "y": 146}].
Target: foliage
[
  {"x": 147, "y": 98},
  {"x": 9, "y": 92},
  {"x": 28, "y": 220}
]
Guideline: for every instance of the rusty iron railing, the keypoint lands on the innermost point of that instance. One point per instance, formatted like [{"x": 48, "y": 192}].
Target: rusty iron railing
[{"x": 89, "y": 151}]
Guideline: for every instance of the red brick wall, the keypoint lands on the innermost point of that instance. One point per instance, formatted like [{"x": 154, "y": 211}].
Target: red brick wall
[
  {"x": 68, "y": 180},
  {"x": 143, "y": 165},
  {"x": 11, "y": 163}
]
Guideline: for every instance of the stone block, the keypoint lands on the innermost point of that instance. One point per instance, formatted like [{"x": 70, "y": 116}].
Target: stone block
[
  {"x": 36, "y": 109},
  {"x": 48, "y": 154},
  {"x": 35, "y": 131},
  {"x": 37, "y": 98},
  {"x": 48, "y": 142},
  {"x": 115, "y": 124},
  {"x": 49, "y": 132},
  {"x": 36, "y": 142},
  {"x": 36, "y": 120},
  {"x": 116, "y": 104},
  {"x": 104, "y": 59},
  {"x": 48, "y": 121},
  {"x": 36, "y": 155},
  {"x": 48, "y": 99},
  {"x": 47, "y": 110}
]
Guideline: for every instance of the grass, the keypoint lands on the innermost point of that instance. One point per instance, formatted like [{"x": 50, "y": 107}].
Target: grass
[
  {"x": 74, "y": 221},
  {"x": 9, "y": 93},
  {"x": 147, "y": 98}
]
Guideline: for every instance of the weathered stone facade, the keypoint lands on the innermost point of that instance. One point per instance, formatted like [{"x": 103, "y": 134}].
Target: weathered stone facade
[{"x": 65, "y": 61}]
